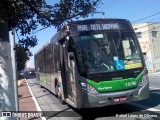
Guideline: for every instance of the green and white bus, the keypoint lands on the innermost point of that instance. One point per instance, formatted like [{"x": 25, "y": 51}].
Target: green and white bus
[{"x": 94, "y": 63}]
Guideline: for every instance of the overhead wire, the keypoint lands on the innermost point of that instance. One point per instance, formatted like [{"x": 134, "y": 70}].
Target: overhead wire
[
  {"x": 114, "y": 3},
  {"x": 142, "y": 10},
  {"x": 147, "y": 25},
  {"x": 107, "y": 3},
  {"x": 151, "y": 29},
  {"x": 146, "y": 17},
  {"x": 111, "y": 4}
]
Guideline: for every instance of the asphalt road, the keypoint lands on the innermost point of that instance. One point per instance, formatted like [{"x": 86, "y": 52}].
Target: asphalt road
[{"x": 53, "y": 110}]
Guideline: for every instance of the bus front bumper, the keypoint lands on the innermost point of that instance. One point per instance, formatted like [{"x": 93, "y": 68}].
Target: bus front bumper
[{"x": 88, "y": 100}]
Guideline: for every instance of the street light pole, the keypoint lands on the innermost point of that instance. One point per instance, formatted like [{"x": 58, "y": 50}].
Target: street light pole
[
  {"x": 8, "y": 82},
  {"x": 12, "y": 40}
]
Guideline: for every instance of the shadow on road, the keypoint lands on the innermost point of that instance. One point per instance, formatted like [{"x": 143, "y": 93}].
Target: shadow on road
[
  {"x": 153, "y": 100},
  {"x": 30, "y": 76},
  {"x": 108, "y": 111}
]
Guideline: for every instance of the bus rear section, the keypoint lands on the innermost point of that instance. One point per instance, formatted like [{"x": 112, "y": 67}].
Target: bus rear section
[{"x": 101, "y": 64}]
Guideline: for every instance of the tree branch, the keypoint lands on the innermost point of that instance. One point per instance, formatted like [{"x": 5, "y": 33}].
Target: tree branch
[{"x": 55, "y": 20}]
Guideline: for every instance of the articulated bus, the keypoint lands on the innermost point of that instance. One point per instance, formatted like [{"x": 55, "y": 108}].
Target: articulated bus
[{"x": 94, "y": 63}]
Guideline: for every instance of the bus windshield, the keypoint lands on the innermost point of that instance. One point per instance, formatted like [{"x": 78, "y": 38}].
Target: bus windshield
[{"x": 98, "y": 52}]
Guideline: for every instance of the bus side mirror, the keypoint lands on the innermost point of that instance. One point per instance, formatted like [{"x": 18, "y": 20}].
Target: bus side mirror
[
  {"x": 70, "y": 47},
  {"x": 71, "y": 57},
  {"x": 144, "y": 53},
  {"x": 145, "y": 56},
  {"x": 61, "y": 41}
]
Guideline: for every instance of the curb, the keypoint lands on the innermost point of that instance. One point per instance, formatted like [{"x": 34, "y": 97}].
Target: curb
[
  {"x": 34, "y": 99},
  {"x": 20, "y": 82}
]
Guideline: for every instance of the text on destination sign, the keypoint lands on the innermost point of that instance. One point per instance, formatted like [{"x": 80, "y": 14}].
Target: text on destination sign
[{"x": 98, "y": 27}]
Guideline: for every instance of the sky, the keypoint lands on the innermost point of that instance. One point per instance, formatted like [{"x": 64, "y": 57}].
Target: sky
[{"x": 133, "y": 10}]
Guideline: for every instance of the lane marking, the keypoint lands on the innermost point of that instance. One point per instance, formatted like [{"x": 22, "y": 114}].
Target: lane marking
[
  {"x": 145, "y": 107},
  {"x": 155, "y": 73},
  {"x": 35, "y": 101},
  {"x": 153, "y": 88}
]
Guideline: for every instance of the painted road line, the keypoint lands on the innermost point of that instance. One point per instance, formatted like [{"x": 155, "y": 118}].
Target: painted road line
[
  {"x": 34, "y": 99},
  {"x": 152, "y": 88},
  {"x": 155, "y": 73},
  {"x": 145, "y": 107}
]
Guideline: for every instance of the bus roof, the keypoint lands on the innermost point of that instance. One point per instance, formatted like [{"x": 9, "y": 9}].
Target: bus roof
[
  {"x": 48, "y": 42},
  {"x": 102, "y": 19}
]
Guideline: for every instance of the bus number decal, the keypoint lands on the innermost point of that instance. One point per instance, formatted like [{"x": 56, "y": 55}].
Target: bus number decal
[{"x": 129, "y": 84}]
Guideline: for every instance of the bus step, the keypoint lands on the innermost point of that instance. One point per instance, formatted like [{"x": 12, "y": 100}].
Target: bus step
[{"x": 69, "y": 101}]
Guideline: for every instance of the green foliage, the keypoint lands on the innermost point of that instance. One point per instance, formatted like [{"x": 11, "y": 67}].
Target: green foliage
[
  {"x": 26, "y": 15},
  {"x": 22, "y": 55}
]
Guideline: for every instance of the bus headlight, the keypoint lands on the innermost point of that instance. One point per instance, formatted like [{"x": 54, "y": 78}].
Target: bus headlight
[
  {"x": 88, "y": 87},
  {"x": 143, "y": 80}
]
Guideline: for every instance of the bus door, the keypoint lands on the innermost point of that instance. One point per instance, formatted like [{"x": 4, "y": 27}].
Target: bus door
[{"x": 69, "y": 74}]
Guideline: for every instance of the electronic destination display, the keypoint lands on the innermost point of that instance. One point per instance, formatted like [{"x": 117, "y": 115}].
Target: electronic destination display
[{"x": 99, "y": 25}]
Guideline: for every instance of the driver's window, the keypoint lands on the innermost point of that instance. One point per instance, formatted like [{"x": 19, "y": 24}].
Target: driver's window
[{"x": 126, "y": 46}]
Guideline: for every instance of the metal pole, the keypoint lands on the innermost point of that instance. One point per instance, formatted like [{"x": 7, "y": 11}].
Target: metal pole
[
  {"x": 152, "y": 53},
  {"x": 12, "y": 40},
  {"x": 103, "y": 13}
]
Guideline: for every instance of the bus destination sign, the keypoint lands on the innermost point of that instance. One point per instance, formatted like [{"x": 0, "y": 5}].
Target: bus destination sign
[{"x": 90, "y": 27}]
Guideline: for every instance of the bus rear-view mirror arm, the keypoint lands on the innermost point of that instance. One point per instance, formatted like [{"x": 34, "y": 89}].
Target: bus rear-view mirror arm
[
  {"x": 144, "y": 53},
  {"x": 71, "y": 57},
  {"x": 70, "y": 46}
]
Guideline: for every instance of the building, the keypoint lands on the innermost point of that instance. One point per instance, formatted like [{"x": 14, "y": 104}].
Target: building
[
  {"x": 149, "y": 38},
  {"x": 29, "y": 65}
]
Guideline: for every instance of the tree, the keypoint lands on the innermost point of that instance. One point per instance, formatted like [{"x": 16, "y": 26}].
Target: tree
[
  {"x": 22, "y": 54},
  {"x": 26, "y": 15}
]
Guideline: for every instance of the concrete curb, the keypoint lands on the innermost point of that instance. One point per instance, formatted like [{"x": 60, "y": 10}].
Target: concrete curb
[
  {"x": 20, "y": 82},
  {"x": 34, "y": 99}
]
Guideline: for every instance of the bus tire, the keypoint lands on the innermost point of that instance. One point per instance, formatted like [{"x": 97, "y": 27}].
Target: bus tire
[
  {"x": 59, "y": 94},
  {"x": 41, "y": 86}
]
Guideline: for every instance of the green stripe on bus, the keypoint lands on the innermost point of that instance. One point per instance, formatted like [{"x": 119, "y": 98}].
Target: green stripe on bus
[
  {"x": 115, "y": 85},
  {"x": 42, "y": 79}
]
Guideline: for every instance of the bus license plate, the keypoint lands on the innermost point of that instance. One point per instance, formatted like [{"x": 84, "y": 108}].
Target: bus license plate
[{"x": 120, "y": 99}]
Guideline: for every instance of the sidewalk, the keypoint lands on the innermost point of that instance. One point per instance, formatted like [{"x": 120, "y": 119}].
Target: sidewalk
[{"x": 26, "y": 102}]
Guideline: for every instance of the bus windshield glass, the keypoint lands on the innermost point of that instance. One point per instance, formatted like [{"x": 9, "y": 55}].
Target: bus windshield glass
[{"x": 98, "y": 52}]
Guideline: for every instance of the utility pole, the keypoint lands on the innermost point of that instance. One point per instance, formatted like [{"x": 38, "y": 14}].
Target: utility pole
[
  {"x": 12, "y": 41},
  {"x": 8, "y": 94},
  {"x": 152, "y": 52}
]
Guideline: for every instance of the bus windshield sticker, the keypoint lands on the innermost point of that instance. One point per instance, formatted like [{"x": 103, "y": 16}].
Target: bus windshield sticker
[
  {"x": 133, "y": 65},
  {"x": 111, "y": 26},
  {"x": 98, "y": 36},
  {"x": 115, "y": 58},
  {"x": 87, "y": 36},
  {"x": 119, "y": 64}
]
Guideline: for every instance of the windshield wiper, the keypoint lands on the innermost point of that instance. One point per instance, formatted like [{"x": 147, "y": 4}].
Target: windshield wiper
[{"x": 105, "y": 65}]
